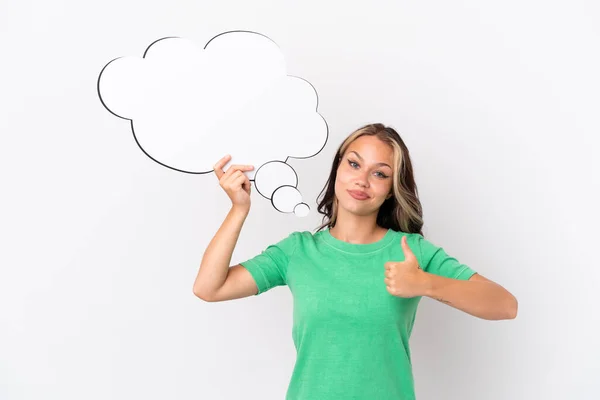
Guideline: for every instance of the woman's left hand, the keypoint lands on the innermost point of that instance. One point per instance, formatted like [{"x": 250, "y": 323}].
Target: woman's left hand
[{"x": 405, "y": 278}]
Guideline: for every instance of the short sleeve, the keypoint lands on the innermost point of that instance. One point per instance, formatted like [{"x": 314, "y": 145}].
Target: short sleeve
[
  {"x": 269, "y": 268},
  {"x": 435, "y": 260}
]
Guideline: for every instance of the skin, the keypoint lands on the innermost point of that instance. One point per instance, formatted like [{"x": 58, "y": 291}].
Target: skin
[
  {"x": 366, "y": 165},
  {"x": 361, "y": 168}
]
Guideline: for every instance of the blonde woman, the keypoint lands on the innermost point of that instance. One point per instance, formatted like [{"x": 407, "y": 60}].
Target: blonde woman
[{"x": 357, "y": 281}]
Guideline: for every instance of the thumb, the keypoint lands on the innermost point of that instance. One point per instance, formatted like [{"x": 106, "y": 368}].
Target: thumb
[{"x": 408, "y": 254}]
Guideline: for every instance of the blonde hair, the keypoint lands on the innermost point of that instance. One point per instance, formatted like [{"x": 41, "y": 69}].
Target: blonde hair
[{"x": 402, "y": 211}]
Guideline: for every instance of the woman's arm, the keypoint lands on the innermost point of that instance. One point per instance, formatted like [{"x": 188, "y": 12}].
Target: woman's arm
[
  {"x": 477, "y": 296},
  {"x": 215, "y": 262},
  {"x": 214, "y": 268}
]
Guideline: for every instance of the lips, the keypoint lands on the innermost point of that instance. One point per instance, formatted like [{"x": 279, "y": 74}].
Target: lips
[{"x": 358, "y": 195}]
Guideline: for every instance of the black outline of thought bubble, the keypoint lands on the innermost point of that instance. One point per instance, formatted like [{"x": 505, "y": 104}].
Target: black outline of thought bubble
[{"x": 211, "y": 171}]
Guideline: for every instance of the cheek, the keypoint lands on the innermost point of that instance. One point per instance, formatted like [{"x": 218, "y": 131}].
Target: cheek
[
  {"x": 339, "y": 184},
  {"x": 383, "y": 188},
  {"x": 343, "y": 176}
]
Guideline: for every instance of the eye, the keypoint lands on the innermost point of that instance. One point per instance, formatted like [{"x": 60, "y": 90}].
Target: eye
[{"x": 381, "y": 174}]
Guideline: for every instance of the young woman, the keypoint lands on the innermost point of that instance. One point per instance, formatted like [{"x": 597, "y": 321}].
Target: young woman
[{"x": 356, "y": 285}]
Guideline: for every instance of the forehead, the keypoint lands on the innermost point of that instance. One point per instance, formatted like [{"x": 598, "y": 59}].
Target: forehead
[{"x": 371, "y": 147}]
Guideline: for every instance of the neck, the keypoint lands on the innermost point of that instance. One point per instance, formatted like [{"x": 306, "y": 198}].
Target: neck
[{"x": 357, "y": 229}]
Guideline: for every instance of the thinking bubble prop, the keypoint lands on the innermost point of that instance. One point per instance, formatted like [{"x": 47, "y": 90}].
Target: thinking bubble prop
[{"x": 189, "y": 106}]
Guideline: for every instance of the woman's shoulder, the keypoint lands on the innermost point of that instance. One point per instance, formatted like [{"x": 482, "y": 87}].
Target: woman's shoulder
[
  {"x": 305, "y": 238},
  {"x": 305, "y": 235},
  {"x": 309, "y": 236},
  {"x": 313, "y": 235}
]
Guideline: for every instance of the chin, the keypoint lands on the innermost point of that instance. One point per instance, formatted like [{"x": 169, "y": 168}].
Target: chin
[{"x": 356, "y": 207}]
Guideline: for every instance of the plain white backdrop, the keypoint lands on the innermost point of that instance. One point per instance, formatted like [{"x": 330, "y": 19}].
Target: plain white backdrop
[{"x": 497, "y": 101}]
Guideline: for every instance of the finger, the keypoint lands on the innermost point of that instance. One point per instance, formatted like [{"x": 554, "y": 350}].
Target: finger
[
  {"x": 246, "y": 185},
  {"x": 408, "y": 254},
  {"x": 239, "y": 180},
  {"x": 229, "y": 179},
  {"x": 218, "y": 167},
  {"x": 237, "y": 167},
  {"x": 229, "y": 173},
  {"x": 243, "y": 167}
]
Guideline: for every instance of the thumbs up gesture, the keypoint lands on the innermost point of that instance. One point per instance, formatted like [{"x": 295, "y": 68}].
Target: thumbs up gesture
[{"x": 405, "y": 278}]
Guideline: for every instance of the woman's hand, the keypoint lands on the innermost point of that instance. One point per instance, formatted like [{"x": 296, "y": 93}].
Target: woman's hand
[
  {"x": 235, "y": 183},
  {"x": 405, "y": 278}
]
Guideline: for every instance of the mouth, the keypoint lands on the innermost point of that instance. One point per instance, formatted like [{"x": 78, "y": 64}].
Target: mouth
[{"x": 358, "y": 195}]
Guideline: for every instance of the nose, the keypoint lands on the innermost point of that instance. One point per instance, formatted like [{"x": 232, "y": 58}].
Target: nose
[{"x": 363, "y": 179}]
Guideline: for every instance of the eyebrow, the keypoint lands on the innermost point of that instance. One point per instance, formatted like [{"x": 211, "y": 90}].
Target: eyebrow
[{"x": 381, "y": 163}]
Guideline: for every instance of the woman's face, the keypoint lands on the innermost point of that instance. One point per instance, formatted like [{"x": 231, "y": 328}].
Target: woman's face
[{"x": 365, "y": 167}]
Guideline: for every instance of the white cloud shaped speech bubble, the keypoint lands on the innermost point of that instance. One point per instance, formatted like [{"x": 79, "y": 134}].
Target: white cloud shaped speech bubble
[{"x": 190, "y": 106}]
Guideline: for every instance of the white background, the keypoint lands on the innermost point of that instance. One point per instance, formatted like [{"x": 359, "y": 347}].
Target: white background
[{"x": 497, "y": 101}]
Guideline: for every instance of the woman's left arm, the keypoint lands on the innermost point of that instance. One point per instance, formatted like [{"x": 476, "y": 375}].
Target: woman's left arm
[{"x": 477, "y": 296}]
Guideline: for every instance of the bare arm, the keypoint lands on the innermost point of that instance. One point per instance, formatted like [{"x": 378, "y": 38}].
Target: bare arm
[
  {"x": 216, "y": 281},
  {"x": 477, "y": 296}
]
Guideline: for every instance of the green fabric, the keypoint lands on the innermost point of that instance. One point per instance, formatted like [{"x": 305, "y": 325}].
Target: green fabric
[{"x": 351, "y": 335}]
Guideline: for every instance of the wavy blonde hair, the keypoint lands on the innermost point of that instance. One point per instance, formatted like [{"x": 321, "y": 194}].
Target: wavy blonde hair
[{"x": 402, "y": 211}]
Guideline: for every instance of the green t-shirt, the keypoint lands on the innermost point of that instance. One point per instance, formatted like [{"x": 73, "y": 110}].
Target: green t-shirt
[{"x": 351, "y": 335}]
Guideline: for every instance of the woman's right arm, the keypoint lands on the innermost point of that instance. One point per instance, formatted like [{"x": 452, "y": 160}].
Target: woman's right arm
[{"x": 216, "y": 281}]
